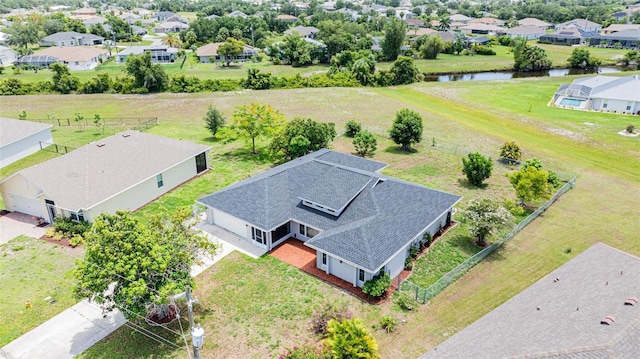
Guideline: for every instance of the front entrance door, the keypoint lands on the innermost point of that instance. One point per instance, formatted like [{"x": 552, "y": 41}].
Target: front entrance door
[
  {"x": 51, "y": 209},
  {"x": 201, "y": 162}
]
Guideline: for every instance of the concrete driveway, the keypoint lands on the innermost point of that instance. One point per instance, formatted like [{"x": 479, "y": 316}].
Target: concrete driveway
[{"x": 15, "y": 224}]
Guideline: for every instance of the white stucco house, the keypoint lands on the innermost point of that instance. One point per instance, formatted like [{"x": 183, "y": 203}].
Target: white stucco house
[
  {"x": 77, "y": 58},
  {"x": 19, "y": 139},
  {"x": 7, "y": 56},
  {"x": 601, "y": 93},
  {"x": 359, "y": 222},
  {"x": 124, "y": 171}
]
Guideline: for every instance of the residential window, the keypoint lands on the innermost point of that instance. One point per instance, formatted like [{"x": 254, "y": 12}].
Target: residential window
[
  {"x": 361, "y": 275},
  {"x": 312, "y": 232},
  {"x": 324, "y": 259},
  {"x": 605, "y": 104},
  {"x": 258, "y": 235},
  {"x": 628, "y": 107},
  {"x": 159, "y": 180},
  {"x": 303, "y": 230},
  {"x": 77, "y": 217}
]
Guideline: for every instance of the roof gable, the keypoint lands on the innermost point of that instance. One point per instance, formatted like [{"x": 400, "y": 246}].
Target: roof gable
[{"x": 12, "y": 130}]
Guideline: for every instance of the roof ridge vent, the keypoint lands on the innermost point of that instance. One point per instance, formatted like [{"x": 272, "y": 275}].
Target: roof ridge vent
[
  {"x": 631, "y": 301},
  {"x": 608, "y": 320}
]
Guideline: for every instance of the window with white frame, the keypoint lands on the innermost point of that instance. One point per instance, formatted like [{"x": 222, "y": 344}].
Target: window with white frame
[
  {"x": 77, "y": 216},
  {"x": 324, "y": 259},
  {"x": 258, "y": 235},
  {"x": 361, "y": 275},
  {"x": 312, "y": 232}
]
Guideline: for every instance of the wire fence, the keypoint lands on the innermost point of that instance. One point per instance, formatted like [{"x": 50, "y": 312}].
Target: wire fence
[
  {"x": 52, "y": 147},
  {"x": 425, "y": 294},
  {"x": 128, "y": 122}
]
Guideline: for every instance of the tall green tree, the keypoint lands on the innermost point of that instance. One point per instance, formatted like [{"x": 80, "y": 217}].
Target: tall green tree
[
  {"x": 301, "y": 136},
  {"x": 445, "y": 23},
  {"x": 214, "y": 120},
  {"x": 256, "y": 120},
  {"x": 406, "y": 128},
  {"x": 485, "y": 216},
  {"x": 529, "y": 58},
  {"x": 63, "y": 82},
  {"x": 404, "y": 71},
  {"x": 231, "y": 49},
  {"x": 394, "y": 33},
  {"x": 477, "y": 168},
  {"x": 350, "y": 339},
  {"x": 132, "y": 264},
  {"x": 432, "y": 47},
  {"x": 296, "y": 50},
  {"x": 530, "y": 184},
  {"x": 148, "y": 76},
  {"x": 21, "y": 34}
]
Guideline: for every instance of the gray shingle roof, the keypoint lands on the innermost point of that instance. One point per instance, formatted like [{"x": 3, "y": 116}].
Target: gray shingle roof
[
  {"x": 572, "y": 301},
  {"x": 91, "y": 174},
  {"x": 379, "y": 221},
  {"x": 71, "y": 35},
  {"x": 14, "y": 130}
]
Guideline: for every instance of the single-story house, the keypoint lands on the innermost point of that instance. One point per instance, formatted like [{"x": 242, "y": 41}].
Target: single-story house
[
  {"x": 209, "y": 53},
  {"x": 527, "y": 32},
  {"x": 351, "y": 14},
  {"x": 286, "y": 18},
  {"x": 71, "y": 38},
  {"x": 93, "y": 20},
  {"x": 238, "y": 13},
  {"x": 159, "y": 53},
  {"x": 42, "y": 61},
  {"x": 419, "y": 31},
  {"x": 359, "y": 222},
  {"x": 162, "y": 15},
  {"x": 414, "y": 23},
  {"x": 78, "y": 58},
  {"x": 601, "y": 93},
  {"x": 305, "y": 31},
  {"x": 460, "y": 18},
  {"x": 625, "y": 39},
  {"x": 532, "y": 21},
  {"x": 478, "y": 40},
  {"x": 212, "y": 17},
  {"x": 487, "y": 21},
  {"x": 130, "y": 17},
  {"x": 20, "y": 138},
  {"x": 85, "y": 11},
  {"x": 582, "y": 24},
  {"x": 569, "y": 36},
  {"x": 587, "y": 308},
  {"x": 123, "y": 171},
  {"x": 170, "y": 26},
  {"x": 481, "y": 29},
  {"x": 7, "y": 56},
  {"x": 619, "y": 27}
]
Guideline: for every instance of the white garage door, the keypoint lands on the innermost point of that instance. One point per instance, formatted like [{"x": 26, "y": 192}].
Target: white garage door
[{"x": 26, "y": 205}]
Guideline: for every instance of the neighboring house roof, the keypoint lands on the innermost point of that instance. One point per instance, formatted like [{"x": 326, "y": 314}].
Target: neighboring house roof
[
  {"x": 414, "y": 22},
  {"x": 375, "y": 217},
  {"x": 560, "y": 316},
  {"x": 286, "y": 17},
  {"x": 137, "y": 50},
  {"x": 579, "y": 23},
  {"x": 94, "y": 20},
  {"x": 71, "y": 36},
  {"x": 420, "y": 31},
  {"x": 488, "y": 21},
  {"x": 531, "y": 21},
  {"x": 212, "y": 17},
  {"x": 482, "y": 27},
  {"x": 459, "y": 18},
  {"x": 163, "y": 14},
  {"x": 303, "y": 30},
  {"x": 524, "y": 30},
  {"x": 171, "y": 25},
  {"x": 212, "y": 49},
  {"x": 237, "y": 13},
  {"x": 7, "y": 55},
  {"x": 620, "y": 27},
  {"x": 73, "y": 53},
  {"x": 572, "y": 33},
  {"x": 12, "y": 130},
  {"x": 624, "y": 35},
  {"x": 102, "y": 169}
]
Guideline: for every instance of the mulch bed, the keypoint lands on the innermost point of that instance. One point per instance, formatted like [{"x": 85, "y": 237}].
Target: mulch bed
[{"x": 63, "y": 242}]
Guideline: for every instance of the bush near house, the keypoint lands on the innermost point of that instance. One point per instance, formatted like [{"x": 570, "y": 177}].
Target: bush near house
[{"x": 377, "y": 286}]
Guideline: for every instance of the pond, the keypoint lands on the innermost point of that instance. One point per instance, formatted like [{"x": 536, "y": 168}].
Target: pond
[{"x": 507, "y": 75}]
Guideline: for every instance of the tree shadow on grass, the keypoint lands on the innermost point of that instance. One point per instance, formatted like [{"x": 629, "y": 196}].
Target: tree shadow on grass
[
  {"x": 245, "y": 155},
  {"x": 397, "y": 150},
  {"x": 464, "y": 183}
]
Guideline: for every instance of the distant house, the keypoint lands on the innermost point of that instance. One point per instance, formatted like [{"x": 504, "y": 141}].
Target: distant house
[
  {"x": 78, "y": 58},
  {"x": 582, "y": 24},
  {"x": 129, "y": 17},
  {"x": 601, "y": 93},
  {"x": 531, "y": 21},
  {"x": 238, "y": 13},
  {"x": 526, "y": 32},
  {"x": 20, "y": 138},
  {"x": 85, "y": 11},
  {"x": 162, "y": 15},
  {"x": 460, "y": 18},
  {"x": 587, "y": 308},
  {"x": 7, "y": 56},
  {"x": 93, "y": 20},
  {"x": 626, "y": 39},
  {"x": 287, "y": 18},
  {"x": 568, "y": 36},
  {"x": 209, "y": 53},
  {"x": 306, "y": 31},
  {"x": 212, "y": 17},
  {"x": 124, "y": 171},
  {"x": 478, "y": 40},
  {"x": 414, "y": 22},
  {"x": 159, "y": 53},
  {"x": 170, "y": 26},
  {"x": 39, "y": 61},
  {"x": 351, "y": 14},
  {"x": 359, "y": 222},
  {"x": 487, "y": 21},
  {"x": 481, "y": 29},
  {"x": 420, "y": 31},
  {"x": 619, "y": 27},
  {"x": 71, "y": 38}
]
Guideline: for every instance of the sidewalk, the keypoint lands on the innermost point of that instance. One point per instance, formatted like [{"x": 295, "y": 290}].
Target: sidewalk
[{"x": 81, "y": 326}]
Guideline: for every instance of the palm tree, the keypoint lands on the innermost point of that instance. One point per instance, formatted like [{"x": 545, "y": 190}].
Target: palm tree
[
  {"x": 445, "y": 23},
  {"x": 171, "y": 40}
]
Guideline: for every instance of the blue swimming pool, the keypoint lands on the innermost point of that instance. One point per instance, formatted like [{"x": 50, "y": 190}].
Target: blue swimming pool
[{"x": 573, "y": 102}]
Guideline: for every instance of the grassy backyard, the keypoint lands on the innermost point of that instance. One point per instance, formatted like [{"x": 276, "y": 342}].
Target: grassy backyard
[{"x": 245, "y": 316}]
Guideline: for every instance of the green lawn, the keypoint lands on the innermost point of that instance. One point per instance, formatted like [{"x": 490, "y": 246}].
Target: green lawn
[
  {"x": 243, "y": 298},
  {"x": 33, "y": 270}
]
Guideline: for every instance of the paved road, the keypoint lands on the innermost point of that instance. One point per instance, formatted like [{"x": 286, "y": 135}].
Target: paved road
[{"x": 81, "y": 326}]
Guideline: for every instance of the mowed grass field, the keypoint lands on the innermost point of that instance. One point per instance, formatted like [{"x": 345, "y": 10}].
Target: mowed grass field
[{"x": 253, "y": 308}]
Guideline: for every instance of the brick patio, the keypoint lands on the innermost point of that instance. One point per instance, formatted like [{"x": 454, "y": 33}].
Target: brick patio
[{"x": 294, "y": 252}]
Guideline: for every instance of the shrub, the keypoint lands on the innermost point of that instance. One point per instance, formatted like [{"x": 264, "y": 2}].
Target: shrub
[
  {"x": 50, "y": 232},
  {"x": 414, "y": 251},
  {"x": 182, "y": 83},
  {"x": 377, "y": 286},
  {"x": 484, "y": 50},
  {"x": 76, "y": 240},
  {"x": 69, "y": 227},
  {"x": 477, "y": 168},
  {"x": 322, "y": 316},
  {"x": 351, "y": 128},
  {"x": 630, "y": 128},
  {"x": 365, "y": 143},
  {"x": 406, "y": 302},
  {"x": 513, "y": 207},
  {"x": 388, "y": 323},
  {"x": 408, "y": 263},
  {"x": 427, "y": 238},
  {"x": 510, "y": 151}
]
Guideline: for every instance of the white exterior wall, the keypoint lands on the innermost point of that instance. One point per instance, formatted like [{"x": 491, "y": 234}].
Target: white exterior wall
[
  {"x": 146, "y": 191},
  {"x": 396, "y": 264},
  {"x": 83, "y": 65},
  {"x": 24, "y": 147},
  {"x": 341, "y": 270},
  {"x": 615, "y": 105},
  {"x": 228, "y": 222},
  {"x": 19, "y": 195}
]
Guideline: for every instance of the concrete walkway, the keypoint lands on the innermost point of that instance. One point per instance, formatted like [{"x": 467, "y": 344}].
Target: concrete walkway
[
  {"x": 81, "y": 326},
  {"x": 15, "y": 224}
]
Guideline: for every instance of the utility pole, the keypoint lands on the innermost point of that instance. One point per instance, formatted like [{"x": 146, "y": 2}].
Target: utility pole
[{"x": 197, "y": 333}]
